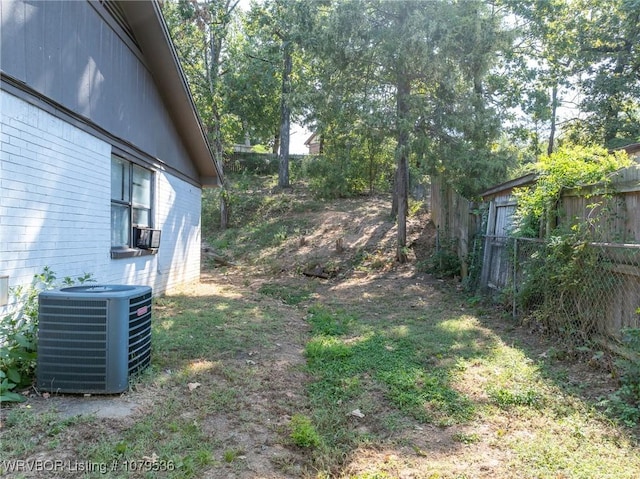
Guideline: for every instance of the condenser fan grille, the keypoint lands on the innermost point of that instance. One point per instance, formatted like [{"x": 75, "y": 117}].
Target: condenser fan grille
[{"x": 72, "y": 344}]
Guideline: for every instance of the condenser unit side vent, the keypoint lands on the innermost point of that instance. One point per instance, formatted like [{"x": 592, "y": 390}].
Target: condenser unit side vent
[{"x": 139, "y": 333}]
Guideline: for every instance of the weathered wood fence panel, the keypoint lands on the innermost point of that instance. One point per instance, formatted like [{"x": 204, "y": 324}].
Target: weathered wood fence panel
[
  {"x": 495, "y": 271},
  {"x": 454, "y": 218},
  {"x": 624, "y": 269},
  {"x": 617, "y": 219}
]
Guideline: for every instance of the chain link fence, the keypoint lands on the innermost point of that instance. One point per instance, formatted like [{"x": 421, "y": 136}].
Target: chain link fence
[{"x": 574, "y": 289}]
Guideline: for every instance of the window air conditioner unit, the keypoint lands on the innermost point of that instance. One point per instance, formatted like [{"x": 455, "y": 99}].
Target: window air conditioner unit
[
  {"x": 147, "y": 238},
  {"x": 92, "y": 338}
]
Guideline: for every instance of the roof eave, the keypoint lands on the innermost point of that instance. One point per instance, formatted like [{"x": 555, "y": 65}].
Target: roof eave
[{"x": 152, "y": 34}]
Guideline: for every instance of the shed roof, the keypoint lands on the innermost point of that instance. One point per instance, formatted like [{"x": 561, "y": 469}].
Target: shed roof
[
  {"x": 507, "y": 186},
  {"x": 632, "y": 149},
  {"x": 151, "y": 32}
]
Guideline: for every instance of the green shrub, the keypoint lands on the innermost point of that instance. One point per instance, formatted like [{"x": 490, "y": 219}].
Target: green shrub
[
  {"x": 18, "y": 334},
  {"x": 444, "y": 262},
  {"x": 569, "y": 167},
  {"x": 330, "y": 179},
  {"x": 553, "y": 285},
  {"x": 348, "y": 168},
  {"x": 553, "y": 274}
]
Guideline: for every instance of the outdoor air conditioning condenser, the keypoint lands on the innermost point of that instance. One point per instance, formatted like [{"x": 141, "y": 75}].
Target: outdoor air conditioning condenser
[{"x": 92, "y": 338}]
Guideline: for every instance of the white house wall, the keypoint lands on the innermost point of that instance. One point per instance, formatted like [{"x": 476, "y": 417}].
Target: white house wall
[{"x": 55, "y": 207}]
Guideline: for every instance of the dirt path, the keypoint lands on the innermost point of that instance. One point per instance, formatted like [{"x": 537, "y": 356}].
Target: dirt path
[{"x": 273, "y": 387}]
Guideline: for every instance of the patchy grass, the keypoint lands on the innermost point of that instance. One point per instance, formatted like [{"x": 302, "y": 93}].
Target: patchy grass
[
  {"x": 390, "y": 372},
  {"x": 207, "y": 345},
  {"x": 291, "y": 295},
  {"x": 381, "y": 372},
  {"x": 170, "y": 434},
  {"x": 407, "y": 370},
  {"x": 31, "y": 432}
]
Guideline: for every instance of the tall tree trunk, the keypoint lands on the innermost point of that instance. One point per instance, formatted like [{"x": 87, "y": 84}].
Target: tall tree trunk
[
  {"x": 394, "y": 198},
  {"x": 212, "y": 65},
  {"x": 285, "y": 117},
  {"x": 554, "y": 109},
  {"x": 402, "y": 156},
  {"x": 215, "y": 136},
  {"x": 224, "y": 208}
]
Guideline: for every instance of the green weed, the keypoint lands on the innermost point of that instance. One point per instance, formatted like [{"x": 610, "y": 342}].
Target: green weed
[
  {"x": 624, "y": 403},
  {"x": 326, "y": 322},
  {"x": 506, "y": 398},
  {"x": 18, "y": 333},
  {"x": 303, "y": 432},
  {"x": 466, "y": 438},
  {"x": 231, "y": 455}
]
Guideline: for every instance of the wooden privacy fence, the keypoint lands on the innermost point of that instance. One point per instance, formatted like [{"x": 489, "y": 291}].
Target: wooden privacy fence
[
  {"x": 604, "y": 300},
  {"x": 601, "y": 297},
  {"x": 456, "y": 220},
  {"x": 616, "y": 219}
]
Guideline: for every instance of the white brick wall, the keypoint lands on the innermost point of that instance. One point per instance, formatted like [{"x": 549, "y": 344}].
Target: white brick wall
[
  {"x": 54, "y": 194},
  {"x": 55, "y": 207},
  {"x": 178, "y": 206}
]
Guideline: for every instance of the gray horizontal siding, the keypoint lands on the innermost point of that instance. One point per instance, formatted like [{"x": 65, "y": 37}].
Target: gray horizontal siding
[{"x": 66, "y": 51}]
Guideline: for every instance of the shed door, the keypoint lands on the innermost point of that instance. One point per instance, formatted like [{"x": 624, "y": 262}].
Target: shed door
[{"x": 497, "y": 263}]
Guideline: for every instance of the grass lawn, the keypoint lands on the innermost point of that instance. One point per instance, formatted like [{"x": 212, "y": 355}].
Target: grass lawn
[{"x": 380, "y": 372}]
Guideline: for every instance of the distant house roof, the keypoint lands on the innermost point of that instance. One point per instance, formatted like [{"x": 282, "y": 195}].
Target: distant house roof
[
  {"x": 151, "y": 32},
  {"x": 311, "y": 138}
]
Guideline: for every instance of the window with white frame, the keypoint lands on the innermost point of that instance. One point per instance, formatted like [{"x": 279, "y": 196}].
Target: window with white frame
[{"x": 131, "y": 200}]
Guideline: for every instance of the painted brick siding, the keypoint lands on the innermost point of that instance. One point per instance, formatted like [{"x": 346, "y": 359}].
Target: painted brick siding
[
  {"x": 54, "y": 194},
  {"x": 178, "y": 206},
  {"x": 177, "y": 214},
  {"x": 55, "y": 207}
]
